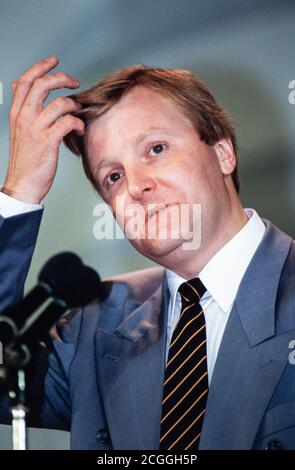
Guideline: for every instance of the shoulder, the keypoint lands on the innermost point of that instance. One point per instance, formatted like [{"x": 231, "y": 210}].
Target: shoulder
[
  {"x": 140, "y": 284},
  {"x": 118, "y": 297}
]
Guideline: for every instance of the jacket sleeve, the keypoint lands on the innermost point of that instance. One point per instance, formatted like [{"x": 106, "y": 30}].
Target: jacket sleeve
[
  {"x": 18, "y": 235},
  {"x": 53, "y": 376},
  {"x": 48, "y": 377}
]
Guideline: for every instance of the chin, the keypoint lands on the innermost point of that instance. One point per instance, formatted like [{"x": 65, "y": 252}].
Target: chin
[{"x": 156, "y": 249}]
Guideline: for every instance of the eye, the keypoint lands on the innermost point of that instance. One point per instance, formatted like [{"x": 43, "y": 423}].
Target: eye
[
  {"x": 113, "y": 177},
  {"x": 157, "y": 149}
]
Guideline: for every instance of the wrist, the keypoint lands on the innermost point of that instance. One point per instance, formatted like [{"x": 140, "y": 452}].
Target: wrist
[{"x": 21, "y": 194}]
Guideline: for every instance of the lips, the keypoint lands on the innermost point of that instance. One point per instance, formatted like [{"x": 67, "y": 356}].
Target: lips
[{"x": 150, "y": 213}]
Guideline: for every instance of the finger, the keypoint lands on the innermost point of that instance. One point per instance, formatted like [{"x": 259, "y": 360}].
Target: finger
[
  {"x": 13, "y": 86},
  {"x": 41, "y": 88},
  {"x": 64, "y": 126},
  {"x": 22, "y": 85},
  {"x": 55, "y": 110}
]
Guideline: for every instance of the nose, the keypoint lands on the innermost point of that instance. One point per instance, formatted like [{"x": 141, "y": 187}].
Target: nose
[{"x": 140, "y": 182}]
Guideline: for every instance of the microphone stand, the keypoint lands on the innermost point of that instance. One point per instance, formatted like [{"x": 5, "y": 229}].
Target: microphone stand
[
  {"x": 16, "y": 375},
  {"x": 19, "y": 414}
]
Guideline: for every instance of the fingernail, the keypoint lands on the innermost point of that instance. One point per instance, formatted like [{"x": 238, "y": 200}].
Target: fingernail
[{"x": 51, "y": 58}]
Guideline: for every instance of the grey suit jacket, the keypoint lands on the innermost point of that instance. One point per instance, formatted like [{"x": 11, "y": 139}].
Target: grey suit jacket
[{"x": 105, "y": 376}]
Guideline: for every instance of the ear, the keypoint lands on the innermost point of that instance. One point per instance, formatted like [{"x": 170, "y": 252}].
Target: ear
[{"x": 226, "y": 156}]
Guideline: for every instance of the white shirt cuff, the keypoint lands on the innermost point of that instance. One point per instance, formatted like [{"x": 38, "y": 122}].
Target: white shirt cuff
[{"x": 10, "y": 206}]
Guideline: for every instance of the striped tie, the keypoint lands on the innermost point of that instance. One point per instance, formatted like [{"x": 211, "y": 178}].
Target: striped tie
[{"x": 186, "y": 378}]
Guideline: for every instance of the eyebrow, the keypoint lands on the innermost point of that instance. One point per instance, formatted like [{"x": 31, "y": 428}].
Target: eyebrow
[
  {"x": 147, "y": 131},
  {"x": 102, "y": 163},
  {"x": 140, "y": 137}
]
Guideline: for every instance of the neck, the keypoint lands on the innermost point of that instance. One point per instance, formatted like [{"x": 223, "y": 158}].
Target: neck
[{"x": 189, "y": 263}]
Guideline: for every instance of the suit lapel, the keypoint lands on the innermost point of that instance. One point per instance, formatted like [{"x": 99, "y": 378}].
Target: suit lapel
[
  {"x": 130, "y": 372},
  {"x": 251, "y": 358},
  {"x": 242, "y": 385}
]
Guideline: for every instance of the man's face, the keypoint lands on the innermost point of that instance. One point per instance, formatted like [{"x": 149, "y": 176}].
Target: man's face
[{"x": 145, "y": 151}]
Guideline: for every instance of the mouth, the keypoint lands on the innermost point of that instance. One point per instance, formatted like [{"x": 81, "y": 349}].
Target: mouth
[{"x": 155, "y": 210}]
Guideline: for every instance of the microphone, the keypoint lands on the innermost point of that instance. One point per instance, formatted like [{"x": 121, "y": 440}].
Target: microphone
[{"x": 63, "y": 278}]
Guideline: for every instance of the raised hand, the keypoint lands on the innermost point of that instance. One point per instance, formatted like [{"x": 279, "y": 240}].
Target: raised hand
[{"x": 37, "y": 131}]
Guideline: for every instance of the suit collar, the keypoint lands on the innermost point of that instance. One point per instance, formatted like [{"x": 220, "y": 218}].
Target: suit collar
[
  {"x": 256, "y": 297},
  {"x": 223, "y": 273},
  {"x": 146, "y": 317}
]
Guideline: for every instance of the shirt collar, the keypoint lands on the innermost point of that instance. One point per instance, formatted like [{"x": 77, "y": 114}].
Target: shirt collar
[{"x": 223, "y": 273}]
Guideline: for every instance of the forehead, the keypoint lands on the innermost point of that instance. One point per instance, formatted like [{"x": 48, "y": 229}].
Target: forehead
[{"x": 138, "y": 111}]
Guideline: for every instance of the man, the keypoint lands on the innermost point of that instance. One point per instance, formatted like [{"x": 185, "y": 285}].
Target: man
[{"x": 191, "y": 356}]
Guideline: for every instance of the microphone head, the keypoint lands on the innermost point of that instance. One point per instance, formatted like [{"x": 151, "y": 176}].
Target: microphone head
[{"x": 70, "y": 280}]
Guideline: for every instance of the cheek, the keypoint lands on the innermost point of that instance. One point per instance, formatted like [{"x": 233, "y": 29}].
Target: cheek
[
  {"x": 118, "y": 211},
  {"x": 119, "y": 206},
  {"x": 188, "y": 176},
  {"x": 204, "y": 171},
  {"x": 179, "y": 170}
]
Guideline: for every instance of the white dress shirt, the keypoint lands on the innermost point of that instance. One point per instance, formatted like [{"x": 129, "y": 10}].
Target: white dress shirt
[
  {"x": 221, "y": 276},
  {"x": 10, "y": 206}
]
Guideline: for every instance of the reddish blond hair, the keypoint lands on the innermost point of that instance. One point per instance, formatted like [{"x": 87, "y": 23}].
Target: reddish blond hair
[{"x": 189, "y": 93}]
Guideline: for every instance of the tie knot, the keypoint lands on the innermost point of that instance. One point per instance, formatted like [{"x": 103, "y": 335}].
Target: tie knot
[{"x": 192, "y": 290}]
